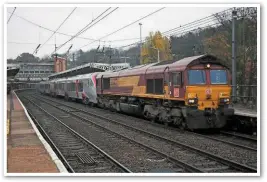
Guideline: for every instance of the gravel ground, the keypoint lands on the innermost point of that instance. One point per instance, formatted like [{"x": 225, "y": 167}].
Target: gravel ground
[{"x": 227, "y": 151}]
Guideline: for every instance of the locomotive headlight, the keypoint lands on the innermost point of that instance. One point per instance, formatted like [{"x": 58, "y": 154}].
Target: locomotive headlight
[
  {"x": 192, "y": 101},
  {"x": 224, "y": 100}
]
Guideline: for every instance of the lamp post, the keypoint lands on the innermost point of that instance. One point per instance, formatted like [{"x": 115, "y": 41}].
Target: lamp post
[
  {"x": 157, "y": 50},
  {"x": 140, "y": 43}
]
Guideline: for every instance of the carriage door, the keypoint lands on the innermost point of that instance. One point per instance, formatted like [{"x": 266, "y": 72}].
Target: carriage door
[{"x": 176, "y": 84}]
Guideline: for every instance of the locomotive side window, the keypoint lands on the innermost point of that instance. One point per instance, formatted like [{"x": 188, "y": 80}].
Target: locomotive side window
[
  {"x": 176, "y": 78},
  {"x": 154, "y": 86},
  {"x": 149, "y": 86},
  {"x": 158, "y": 86},
  {"x": 218, "y": 77},
  {"x": 196, "y": 77}
]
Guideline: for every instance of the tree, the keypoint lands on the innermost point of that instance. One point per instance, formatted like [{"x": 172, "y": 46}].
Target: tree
[{"x": 153, "y": 42}]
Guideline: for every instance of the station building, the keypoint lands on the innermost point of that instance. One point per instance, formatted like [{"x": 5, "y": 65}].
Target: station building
[{"x": 35, "y": 71}]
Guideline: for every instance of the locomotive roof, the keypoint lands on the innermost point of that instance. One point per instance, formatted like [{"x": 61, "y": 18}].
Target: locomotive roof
[{"x": 177, "y": 65}]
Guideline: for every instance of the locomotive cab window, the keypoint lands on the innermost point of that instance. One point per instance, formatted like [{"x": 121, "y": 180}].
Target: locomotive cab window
[
  {"x": 196, "y": 77},
  {"x": 218, "y": 77}
]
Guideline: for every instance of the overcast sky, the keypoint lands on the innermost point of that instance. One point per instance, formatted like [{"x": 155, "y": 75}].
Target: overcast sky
[{"x": 24, "y": 37}]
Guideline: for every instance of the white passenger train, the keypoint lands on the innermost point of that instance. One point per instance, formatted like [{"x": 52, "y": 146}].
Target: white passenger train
[{"x": 80, "y": 87}]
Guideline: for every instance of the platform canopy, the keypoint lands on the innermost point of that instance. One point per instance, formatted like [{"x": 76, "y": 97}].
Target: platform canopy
[{"x": 89, "y": 68}]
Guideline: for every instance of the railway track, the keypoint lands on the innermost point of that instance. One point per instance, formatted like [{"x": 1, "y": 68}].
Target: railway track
[
  {"x": 153, "y": 161},
  {"x": 224, "y": 137},
  {"x": 77, "y": 153},
  {"x": 239, "y": 135},
  {"x": 233, "y": 140},
  {"x": 207, "y": 162}
]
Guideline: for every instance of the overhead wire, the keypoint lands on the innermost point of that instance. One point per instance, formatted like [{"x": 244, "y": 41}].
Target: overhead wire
[
  {"x": 125, "y": 26},
  {"x": 88, "y": 26},
  {"x": 58, "y": 27},
  {"x": 68, "y": 35},
  {"x": 11, "y": 14},
  {"x": 187, "y": 27},
  {"x": 45, "y": 28}
]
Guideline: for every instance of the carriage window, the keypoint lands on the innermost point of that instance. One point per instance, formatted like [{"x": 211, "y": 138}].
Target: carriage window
[
  {"x": 218, "y": 77},
  {"x": 176, "y": 78},
  {"x": 73, "y": 88},
  {"x": 80, "y": 87},
  {"x": 196, "y": 77},
  {"x": 90, "y": 83}
]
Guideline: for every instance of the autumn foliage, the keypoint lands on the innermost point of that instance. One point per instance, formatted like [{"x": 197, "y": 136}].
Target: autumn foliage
[{"x": 153, "y": 42}]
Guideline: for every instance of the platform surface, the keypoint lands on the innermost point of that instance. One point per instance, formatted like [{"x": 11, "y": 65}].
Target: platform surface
[
  {"x": 243, "y": 110},
  {"x": 25, "y": 152}
]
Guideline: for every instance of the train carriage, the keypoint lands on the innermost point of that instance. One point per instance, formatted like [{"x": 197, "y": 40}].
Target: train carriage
[
  {"x": 192, "y": 93},
  {"x": 88, "y": 82},
  {"x": 60, "y": 87},
  {"x": 81, "y": 87},
  {"x": 71, "y": 91},
  {"x": 46, "y": 87},
  {"x": 52, "y": 88}
]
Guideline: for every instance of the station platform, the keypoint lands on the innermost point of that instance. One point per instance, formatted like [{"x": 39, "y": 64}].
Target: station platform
[
  {"x": 242, "y": 110},
  {"x": 27, "y": 151}
]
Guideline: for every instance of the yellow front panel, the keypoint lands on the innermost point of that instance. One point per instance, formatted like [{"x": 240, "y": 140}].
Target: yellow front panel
[{"x": 201, "y": 92}]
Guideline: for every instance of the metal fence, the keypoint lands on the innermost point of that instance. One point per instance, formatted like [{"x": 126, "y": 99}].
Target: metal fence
[{"x": 246, "y": 96}]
